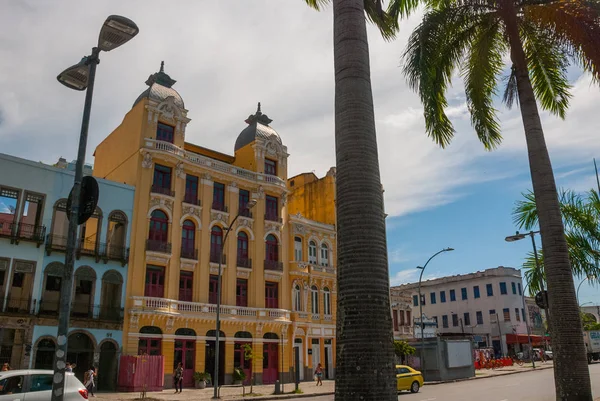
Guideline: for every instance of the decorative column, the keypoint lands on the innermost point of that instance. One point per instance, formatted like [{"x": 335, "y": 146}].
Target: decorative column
[
  {"x": 168, "y": 352},
  {"x": 229, "y": 358},
  {"x": 200, "y": 356}
]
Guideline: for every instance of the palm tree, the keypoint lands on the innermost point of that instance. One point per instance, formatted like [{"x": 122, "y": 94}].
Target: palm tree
[
  {"x": 365, "y": 353},
  {"x": 541, "y": 37},
  {"x": 581, "y": 217}
]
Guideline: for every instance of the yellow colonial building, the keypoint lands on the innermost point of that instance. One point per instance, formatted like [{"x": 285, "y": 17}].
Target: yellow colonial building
[{"x": 278, "y": 263}]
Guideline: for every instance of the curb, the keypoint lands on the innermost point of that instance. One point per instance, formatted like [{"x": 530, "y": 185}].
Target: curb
[
  {"x": 281, "y": 397},
  {"x": 487, "y": 377}
]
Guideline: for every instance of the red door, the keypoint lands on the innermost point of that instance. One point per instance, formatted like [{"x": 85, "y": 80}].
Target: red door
[
  {"x": 155, "y": 282},
  {"x": 270, "y": 359},
  {"x": 185, "y": 286},
  {"x": 240, "y": 361},
  {"x": 185, "y": 353},
  {"x": 271, "y": 297}
]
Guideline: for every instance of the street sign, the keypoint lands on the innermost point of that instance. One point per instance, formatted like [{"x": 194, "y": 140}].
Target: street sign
[
  {"x": 88, "y": 199},
  {"x": 539, "y": 299}
]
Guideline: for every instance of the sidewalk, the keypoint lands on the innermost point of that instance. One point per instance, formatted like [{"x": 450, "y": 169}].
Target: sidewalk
[
  {"x": 507, "y": 370},
  {"x": 264, "y": 392}
]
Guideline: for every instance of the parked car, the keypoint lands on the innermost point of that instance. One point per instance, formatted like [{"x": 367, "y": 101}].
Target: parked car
[
  {"x": 408, "y": 379},
  {"x": 549, "y": 354},
  {"x": 36, "y": 385}
]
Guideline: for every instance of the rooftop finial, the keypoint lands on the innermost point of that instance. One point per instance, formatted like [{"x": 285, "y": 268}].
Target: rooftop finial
[
  {"x": 162, "y": 66},
  {"x": 258, "y": 109},
  {"x": 258, "y": 117}
]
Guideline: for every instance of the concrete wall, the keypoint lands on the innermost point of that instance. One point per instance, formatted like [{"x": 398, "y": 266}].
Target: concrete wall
[{"x": 436, "y": 357}]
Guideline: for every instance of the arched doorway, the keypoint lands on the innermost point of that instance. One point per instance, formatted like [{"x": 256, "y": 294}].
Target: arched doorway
[
  {"x": 210, "y": 355},
  {"x": 243, "y": 339},
  {"x": 80, "y": 351},
  {"x": 44, "y": 354},
  {"x": 270, "y": 358},
  {"x": 185, "y": 352},
  {"x": 107, "y": 371},
  {"x": 110, "y": 298}
]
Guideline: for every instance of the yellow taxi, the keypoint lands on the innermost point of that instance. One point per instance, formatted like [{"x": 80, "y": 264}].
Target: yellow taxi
[{"x": 408, "y": 379}]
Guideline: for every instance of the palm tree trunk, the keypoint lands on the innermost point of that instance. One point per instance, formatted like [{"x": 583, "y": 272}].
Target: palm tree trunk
[
  {"x": 365, "y": 356},
  {"x": 571, "y": 372}
]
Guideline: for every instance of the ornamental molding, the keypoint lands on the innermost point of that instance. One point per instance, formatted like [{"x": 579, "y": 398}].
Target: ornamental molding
[
  {"x": 273, "y": 226},
  {"x": 134, "y": 320},
  {"x": 219, "y": 216},
  {"x": 284, "y": 198},
  {"x": 243, "y": 272},
  {"x": 157, "y": 257},
  {"x": 179, "y": 171},
  {"x": 187, "y": 264},
  {"x": 161, "y": 201},
  {"x": 245, "y": 222},
  {"x": 192, "y": 210},
  {"x": 147, "y": 160},
  {"x": 214, "y": 268},
  {"x": 259, "y": 193},
  {"x": 298, "y": 228},
  {"x": 299, "y": 274},
  {"x": 273, "y": 277},
  {"x": 170, "y": 324}
]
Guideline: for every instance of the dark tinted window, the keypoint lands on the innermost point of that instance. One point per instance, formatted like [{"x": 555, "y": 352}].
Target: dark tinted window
[{"x": 41, "y": 383}]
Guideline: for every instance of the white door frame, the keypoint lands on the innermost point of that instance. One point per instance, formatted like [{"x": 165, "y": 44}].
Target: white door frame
[
  {"x": 316, "y": 355},
  {"x": 329, "y": 351},
  {"x": 300, "y": 359}
]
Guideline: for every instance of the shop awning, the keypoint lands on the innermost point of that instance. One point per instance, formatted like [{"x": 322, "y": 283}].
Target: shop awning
[{"x": 522, "y": 339}]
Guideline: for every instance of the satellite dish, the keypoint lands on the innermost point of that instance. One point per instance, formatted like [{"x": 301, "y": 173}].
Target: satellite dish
[{"x": 88, "y": 199}]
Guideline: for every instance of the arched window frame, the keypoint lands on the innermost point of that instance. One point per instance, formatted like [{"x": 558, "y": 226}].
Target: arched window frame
[
  {"x": 159, "y": 226},
  {"x": 312, "y": 252},
  {"x": 297, "y": 298},
  {"x": 216, "y": 243},
  {"x": 188, "y": 240},
  {"x": 271, "y": 248},
  {"x": 324, "y": 259},
  {"x": 314, "y": 297},
  {"x": 326, "y": 301},
  {"x": 298, "y": 249}
]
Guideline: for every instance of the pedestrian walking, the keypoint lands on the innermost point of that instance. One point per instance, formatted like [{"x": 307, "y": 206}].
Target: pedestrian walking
[
  {"x": 178, "y": 378},
  {"x": 88, "y": 380},
  {"x": 319, "y": 374},
  {"x": 69, "y": 368},
  {"x": 5, "y": 367}
]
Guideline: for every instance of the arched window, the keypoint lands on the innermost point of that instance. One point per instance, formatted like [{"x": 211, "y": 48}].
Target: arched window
[
  {"x": 297, "y": 305},
  {"x": 159, "y": 226},
  {"x": 185, "y": 332},
  {"x": 326, "y": 301},
  {"x": 242, "y": 250},
  {"x": 216, "y": 241},
  {"x": 60, "y": 226},
  {"x": 84, "y": 283},
  {"x": 324, "y": 255},
  {"x": 116, "y": 235},
  {"x": 110, "y": 298},
  {"x": 89, "y": 233},
  {"x": 188, "y": 240},
  {"x": 272, "y": 249},
  {"x": 150, "y": 343},
  {"x": 314, "y": 297},
  {"x": 297, "y": 249},
  {"x": 312, "y": 252}
]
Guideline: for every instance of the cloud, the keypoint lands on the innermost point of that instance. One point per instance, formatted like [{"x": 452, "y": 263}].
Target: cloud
[{"x": 279, "y": 53}]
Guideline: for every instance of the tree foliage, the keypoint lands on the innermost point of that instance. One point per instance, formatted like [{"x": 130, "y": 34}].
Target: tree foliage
[
  {"x": 402, "y": 349},
  {"x": 581, "y": 217}
]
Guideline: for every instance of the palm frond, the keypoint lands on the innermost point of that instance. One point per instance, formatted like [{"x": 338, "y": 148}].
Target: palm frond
[
  {"x": 547, "y": 64},
  {"x": 387, "y": 23},
  {"x": 574, "y": 26},
  {"x": 480, "y": 71},
  {"x": 511, "y": 91},
  {"x": 434, "y": 50},
  {"x": 398, "y": 9},
  {"x": 534, "y": 274},
  {"x": 525, "y": 215},
  {"x": 316, "y": 4}
]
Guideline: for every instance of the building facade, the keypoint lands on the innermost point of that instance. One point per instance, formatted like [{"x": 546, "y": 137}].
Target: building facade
[
  {"x": 33, "y": 232},
  {"x": 487, "y": 305},
  {"x": 277, "y": 269},
  {"x": 401, "y": 314}
]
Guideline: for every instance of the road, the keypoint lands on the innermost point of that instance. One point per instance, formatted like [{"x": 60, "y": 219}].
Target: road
[{"x": 531, "y": 386}]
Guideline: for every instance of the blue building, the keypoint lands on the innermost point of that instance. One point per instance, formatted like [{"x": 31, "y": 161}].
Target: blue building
[{"x": 33, "y": 239}]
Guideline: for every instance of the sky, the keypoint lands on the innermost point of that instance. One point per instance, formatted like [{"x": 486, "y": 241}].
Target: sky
[{"x": 228, "y": 55}]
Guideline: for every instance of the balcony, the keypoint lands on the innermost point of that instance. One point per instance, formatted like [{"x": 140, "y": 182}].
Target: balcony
[
  {"x": 87, "y": 248},
  {"x": 274, "y": 265},
  {"x": 272, "y": 216},
  {"x": 55, "y": 243},
  {"x": 17, "y": 306},
  {"x": 316, "y": 316},
  {"x": 158, "y": 246},
  {"x": 220, "y": 207},
  {"x": 197, "y": 309},
  {"x": 214, "y": 257},
  {"x": 156, "y": 189},
  {"x": 189, "y": 253},
  {"x": 23, "y": 232},
  {"x": 403, "y": 331},
  {"x": 79, "y": 311},
  {"x": 212, "y": 164},
  {"x": 192, "y": 199},
  {"x": 245, "y": 212},
  {"x": 245, "y": 262},
  {"x": 114, "y": 252},
  {"x": 7, "y": 229}
]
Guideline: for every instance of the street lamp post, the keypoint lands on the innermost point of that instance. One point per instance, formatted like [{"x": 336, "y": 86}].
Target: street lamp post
[
  {"x": 251, "y": 203},
  {"x": 526, "y": 318},
  {"x": 421, "y": 305},
  {"x": 116, "y": 31}
]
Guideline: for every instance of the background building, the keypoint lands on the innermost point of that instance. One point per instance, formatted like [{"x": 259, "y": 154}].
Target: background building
[
  {"x": 33, "y": 239},
  {"x": 487, "y": 305},
  {"x": 401, "y": 314},
  {"x": 278, "y": 276}
]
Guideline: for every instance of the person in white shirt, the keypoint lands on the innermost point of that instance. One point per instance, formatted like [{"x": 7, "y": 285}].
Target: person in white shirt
[{"x": 88, "y": 380}]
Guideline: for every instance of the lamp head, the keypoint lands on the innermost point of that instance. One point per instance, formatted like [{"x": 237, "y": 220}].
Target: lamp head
[
  {"x": 420, "y": 267},
  {"x": 75, "y": 77},
  {"x": 448, "y": 249},
  {"x": 251, "y": 203},
  {"x": 513, "y": 238},
  {"x": 116, "y": 31}
]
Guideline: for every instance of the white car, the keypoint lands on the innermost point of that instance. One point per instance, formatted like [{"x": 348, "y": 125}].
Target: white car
[{"x": 36, "y": 385}]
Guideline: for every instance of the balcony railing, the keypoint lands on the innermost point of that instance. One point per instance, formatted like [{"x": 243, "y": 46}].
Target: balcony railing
[
  {"x": 214, "y": 257},
  {"x": 209, "y": 310},
  {"x": 273, "y": 217},
  {"x": 114, "y": 252},
  {"x": 56, "y": 243},
  {"x": 157, "y": 189},
  {"x": 244, "y": 262},
  {"x": 273, "y": 265},
  {"x": 7, "y": 228},
  {"x": 245, "y": 212},
  {"x": 31, "y": 232},
  {"x": 88, "y": 248},
  {"x": 18, "y": 306},
  {"x": 220, "y": 207},
  {"x": 79, "y": 311},
  {"x": 316, "y": 316},
  {"x": 213, "y": 164},
  {"x": 158, "y": 246},
  {"x": 189, "y": 253},
  {"x": 192, "y": 199}
]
